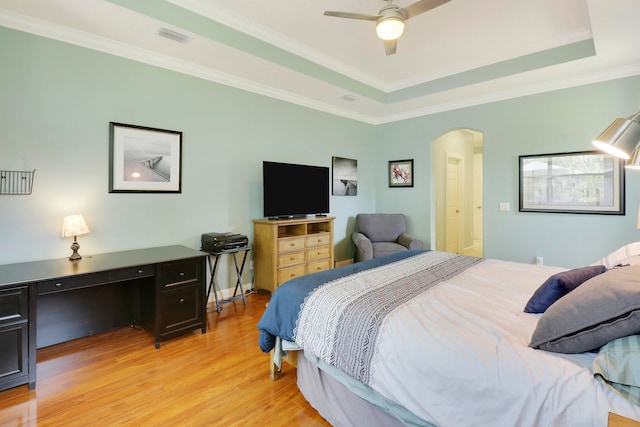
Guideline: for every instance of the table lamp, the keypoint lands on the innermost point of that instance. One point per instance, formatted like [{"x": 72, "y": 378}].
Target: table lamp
[{"x": 74, "y": 225}]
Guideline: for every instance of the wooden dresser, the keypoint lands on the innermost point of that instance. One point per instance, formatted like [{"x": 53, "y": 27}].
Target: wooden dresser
[{"x": 284, "y": 249}]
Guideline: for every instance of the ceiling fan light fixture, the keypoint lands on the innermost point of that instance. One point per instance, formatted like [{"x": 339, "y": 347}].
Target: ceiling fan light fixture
[{"x": 390, "y": 27}]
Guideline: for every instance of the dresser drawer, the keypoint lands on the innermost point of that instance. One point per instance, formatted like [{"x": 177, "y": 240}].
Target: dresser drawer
[
  {"x": 86, "y": 280},
  {"x": 289, "y": 273},
  {"x": 291, "y": 244},
  {"x": 177, "y": 273},
  {"x": 319, "y": 239},
  {"x": 316, "y": 266},
  {"x": 292, "y": 258},
  {"x": 317, "y": 253},
  {"x": 14, "y": 305}
]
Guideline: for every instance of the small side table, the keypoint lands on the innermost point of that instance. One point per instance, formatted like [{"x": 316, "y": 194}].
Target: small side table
[{"x": 212, "y": 260}]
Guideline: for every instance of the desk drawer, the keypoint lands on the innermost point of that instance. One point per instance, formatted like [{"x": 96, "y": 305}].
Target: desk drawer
[
  {"x": 177, "y": 273},
  {"x": 14, "y": 305},
  {"x": 181, "y": 308},
  {"x": 86, "y": 280}
]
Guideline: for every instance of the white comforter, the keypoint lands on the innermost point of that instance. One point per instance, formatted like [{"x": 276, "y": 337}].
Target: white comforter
[{"x": 457, "y": 355}]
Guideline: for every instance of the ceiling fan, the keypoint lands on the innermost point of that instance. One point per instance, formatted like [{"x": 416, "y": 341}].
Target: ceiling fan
[{"x": 390, "y": 19}]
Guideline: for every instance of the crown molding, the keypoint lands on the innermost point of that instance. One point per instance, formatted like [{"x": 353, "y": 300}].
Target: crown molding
[{"x": 101, "y": 44}]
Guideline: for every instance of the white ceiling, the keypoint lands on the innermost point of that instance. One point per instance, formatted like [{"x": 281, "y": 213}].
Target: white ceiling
[{"x": 465, "y": 52}]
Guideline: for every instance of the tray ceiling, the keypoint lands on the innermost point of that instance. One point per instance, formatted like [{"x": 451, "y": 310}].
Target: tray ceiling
[{"x": 462, "y": 53}]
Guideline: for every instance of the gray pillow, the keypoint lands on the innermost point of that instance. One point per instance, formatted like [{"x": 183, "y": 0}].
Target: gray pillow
[{"x": 602, "y": 309}]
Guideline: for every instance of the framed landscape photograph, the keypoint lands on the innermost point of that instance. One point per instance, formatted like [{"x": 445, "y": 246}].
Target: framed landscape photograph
[
  {"x": 401, "y": 173},
  {"x": 143, "y": 159},
  {"x": 588, "y": 182},
  {"x": 345, "y": 177}
]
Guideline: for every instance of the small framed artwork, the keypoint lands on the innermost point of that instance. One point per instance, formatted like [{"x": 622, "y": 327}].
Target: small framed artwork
[
  {"x": 144, "y": 160},
  {"x": 401, "y": 173},
  {"x": 587, "y": 182},
  {"x": 345, "y": 177}
]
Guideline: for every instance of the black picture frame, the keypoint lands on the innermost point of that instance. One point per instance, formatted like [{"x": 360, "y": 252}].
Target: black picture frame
[
  {"x": 144, "y": 159},
  {"x": 581, "y": 182},
  {"x": 400, "y": 173},
  {"x": 344, "y": 176}
]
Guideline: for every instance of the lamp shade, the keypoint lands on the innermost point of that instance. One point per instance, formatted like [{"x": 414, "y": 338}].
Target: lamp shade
[
  {"x": 390, "y": 27},
  {"x": 74, "y": 225},
  {"x": 621, "y": 137},
  {"x": 634, "y": 161}
]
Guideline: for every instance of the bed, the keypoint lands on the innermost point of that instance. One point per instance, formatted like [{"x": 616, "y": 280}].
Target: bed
[{"x": 437, "y": 339}]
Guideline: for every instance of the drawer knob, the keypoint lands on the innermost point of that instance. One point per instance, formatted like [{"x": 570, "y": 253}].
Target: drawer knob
[
  {"x": 181, "y": 300},
  {"x": 292, "y": 244},
  {"x": 58, "y": 285},
  {"x": 140, "y": 271}
]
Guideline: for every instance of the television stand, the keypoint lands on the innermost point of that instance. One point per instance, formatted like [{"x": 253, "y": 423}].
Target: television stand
[{"x": 291, "y": 248}]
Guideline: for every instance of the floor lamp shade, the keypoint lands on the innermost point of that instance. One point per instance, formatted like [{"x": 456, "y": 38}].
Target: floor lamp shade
[{"x": 621, "y": 137}]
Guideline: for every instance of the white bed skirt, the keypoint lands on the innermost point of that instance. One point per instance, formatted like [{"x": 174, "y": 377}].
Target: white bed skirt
[{"x": 335, "y": 402}]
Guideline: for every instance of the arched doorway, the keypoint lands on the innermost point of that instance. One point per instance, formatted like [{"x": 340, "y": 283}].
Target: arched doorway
[{"x": 457, "y": 159}]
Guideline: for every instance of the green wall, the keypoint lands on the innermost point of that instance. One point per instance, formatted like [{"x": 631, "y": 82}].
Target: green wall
[
  {"x": 56, "y": 104},
  {"x": 57, "y": 101},
  {"x": 558, "y": 121}
]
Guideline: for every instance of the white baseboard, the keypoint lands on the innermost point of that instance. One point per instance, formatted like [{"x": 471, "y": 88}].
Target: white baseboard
[
  {"x": 228, "y": 293},
  {"x": 342, "y": 263}
]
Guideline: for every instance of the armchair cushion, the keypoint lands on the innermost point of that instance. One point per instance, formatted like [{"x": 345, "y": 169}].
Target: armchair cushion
[
  {"x": 381, "y": 227},
  {"x": 382, "y": 234}
]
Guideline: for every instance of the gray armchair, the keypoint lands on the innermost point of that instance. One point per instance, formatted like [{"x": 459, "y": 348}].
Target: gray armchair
[{"x": 377, "y": 235}]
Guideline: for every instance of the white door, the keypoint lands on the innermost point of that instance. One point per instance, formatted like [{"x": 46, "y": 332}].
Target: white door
[
  {"x": 477, "y": 205},
  {"x": 453, "y": 214}
]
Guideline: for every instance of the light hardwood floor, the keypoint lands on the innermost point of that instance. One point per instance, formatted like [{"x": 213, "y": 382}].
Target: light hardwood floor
[{"x": 218, "y": 378}]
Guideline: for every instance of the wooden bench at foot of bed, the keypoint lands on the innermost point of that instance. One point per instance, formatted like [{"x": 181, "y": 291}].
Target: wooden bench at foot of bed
[
  {"x": 290, "y": 356},
  {"x": 616, "y": 420}
]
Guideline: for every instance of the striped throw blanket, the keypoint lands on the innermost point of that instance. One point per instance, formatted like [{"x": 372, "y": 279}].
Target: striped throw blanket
[{"x": 339, "y": 322}]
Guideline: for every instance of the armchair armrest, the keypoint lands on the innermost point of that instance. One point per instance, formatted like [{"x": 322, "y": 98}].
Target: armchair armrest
[
  {"x": 409, "y": 242},
  {"x": 364, "y": 247}
]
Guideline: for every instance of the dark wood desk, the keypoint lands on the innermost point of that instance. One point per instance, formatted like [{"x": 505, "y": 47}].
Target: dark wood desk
[{"x": 48, "y": 302}]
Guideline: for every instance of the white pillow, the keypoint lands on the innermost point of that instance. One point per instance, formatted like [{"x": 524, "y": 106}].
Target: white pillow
[{"x": 619, "y": 255}]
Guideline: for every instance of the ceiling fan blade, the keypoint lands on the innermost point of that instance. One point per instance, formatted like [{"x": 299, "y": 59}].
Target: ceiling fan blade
[
  {"x": 361, "y": 16},
  {"x": 390, "y": 46},
  {"x": 421, "y": 6}
]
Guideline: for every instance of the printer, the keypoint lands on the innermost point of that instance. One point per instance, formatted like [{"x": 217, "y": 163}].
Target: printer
[{"x": 221, "y": 242}]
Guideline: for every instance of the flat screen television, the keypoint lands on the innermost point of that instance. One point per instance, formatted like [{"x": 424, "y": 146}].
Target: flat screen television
[{"x": 294, "y": 191}]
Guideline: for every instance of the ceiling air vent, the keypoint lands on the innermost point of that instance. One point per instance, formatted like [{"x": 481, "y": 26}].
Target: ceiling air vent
[
  {"x": 349, "y": 97},
  {"x": 174, "y": 35}
]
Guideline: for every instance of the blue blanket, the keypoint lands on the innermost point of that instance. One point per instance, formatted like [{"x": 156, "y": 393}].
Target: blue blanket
[{"x": 279, "y": 319}]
